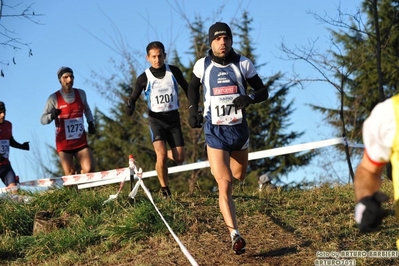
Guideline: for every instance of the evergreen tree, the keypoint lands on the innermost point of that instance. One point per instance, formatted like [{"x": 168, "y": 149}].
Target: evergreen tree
[
  {"x": 377, "y": 78},
  {"x": 369, "y": 53},
  {"x": 361, "y": 66}
]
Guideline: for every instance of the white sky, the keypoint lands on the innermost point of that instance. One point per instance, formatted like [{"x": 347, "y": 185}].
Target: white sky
[{"x": 63, "y": 39}]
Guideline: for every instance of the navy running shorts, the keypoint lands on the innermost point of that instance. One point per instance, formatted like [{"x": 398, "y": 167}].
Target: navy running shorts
[
  {"x": 7, "y": 175},
  {"x": 227, "y": 138},
  {"x": 167, "y": 131}
]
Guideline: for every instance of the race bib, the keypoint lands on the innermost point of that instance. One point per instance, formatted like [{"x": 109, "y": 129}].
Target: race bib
[
  {"x": 163, "y": 96},
  {"x": 74, "y": 128},
  {"x": 163, "y": 102},
  {"x": 223, "y": 111},
  {"x": 4, "y": 147}
]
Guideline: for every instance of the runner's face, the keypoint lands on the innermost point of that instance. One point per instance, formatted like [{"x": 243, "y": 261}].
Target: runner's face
[
  {"x": 221, "y": 46},
  {"x": 156, "y": 58},
  {"x": 66, "y": 81},
  {"x": 2, "y": 116}
]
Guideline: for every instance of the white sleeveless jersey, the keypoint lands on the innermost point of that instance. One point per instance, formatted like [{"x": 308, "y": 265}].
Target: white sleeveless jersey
[
  {"x": 222, "y": 84},
  {"x": 161, "y": 94}
]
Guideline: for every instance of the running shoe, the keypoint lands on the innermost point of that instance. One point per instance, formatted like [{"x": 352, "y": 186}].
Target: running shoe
[{"x": 238, "y": 245}]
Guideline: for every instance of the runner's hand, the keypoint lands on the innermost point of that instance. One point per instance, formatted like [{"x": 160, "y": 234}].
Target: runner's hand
[
  {"x": 25, "y": 146},
  {"x": 130, "y": 108},
  {"x": 55, "y": 113},
  {"x": 369, "y": 213},
  {"x": 92, "y": 129},
  {"x": 242, "y": 102},
  {"x": 195, "y": 119}
]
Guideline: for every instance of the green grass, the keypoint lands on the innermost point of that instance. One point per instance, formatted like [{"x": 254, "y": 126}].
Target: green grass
[{"x": 282, "y": 227}]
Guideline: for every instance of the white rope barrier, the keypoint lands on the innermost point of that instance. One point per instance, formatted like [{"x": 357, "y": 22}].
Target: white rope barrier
[
  {"x": 171, "y": 170},
  {"x": 133, "y": 193},
  {"x": 251, "y": 156},
  {"x": 117, "y": 175},
  {"x": 78, "y": 178},
  {"x": 294, "y": 148}
]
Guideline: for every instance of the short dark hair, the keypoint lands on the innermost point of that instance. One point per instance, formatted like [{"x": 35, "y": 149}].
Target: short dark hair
[
  {"x": 155, "y": 45},
  {"x": 2, "y": 107}
]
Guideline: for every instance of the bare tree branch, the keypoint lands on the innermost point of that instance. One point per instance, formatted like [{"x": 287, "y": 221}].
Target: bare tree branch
[
  {"x": 8, "y": 37},
  {"x": 328, "y": 70}
]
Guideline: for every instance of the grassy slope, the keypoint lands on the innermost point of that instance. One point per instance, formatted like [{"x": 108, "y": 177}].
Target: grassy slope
[{"x": 281, "y": 227}]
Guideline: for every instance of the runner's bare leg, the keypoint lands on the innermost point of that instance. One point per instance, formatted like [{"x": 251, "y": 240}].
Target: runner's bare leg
[
  {"x": 160, "y": 165},
  {"x": 219, "y": 161},
  {"x": 85, "y": 159},
  {"x": 66, "y": 160}
]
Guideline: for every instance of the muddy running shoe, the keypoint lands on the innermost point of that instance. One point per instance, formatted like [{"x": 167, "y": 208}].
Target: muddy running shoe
[
  {"x": 166, "y": 192},
  {"x": 238, "y": 244}
]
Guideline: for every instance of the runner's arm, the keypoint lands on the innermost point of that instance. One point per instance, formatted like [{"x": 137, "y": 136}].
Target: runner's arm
[
  {"x": 88, "y": 113},
  {"x": 141, "y": 82},
  {"x": 51, "y": 104},
  {"x": 180, "y": 78},
  {"x": 193, "y": 92},
  {"x": 15, "y": 144},
  {"x": 261, "y": 91}
]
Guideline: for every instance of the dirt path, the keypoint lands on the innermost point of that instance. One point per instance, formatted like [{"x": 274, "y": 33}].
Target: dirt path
[{"x": 267, "y": 244}]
